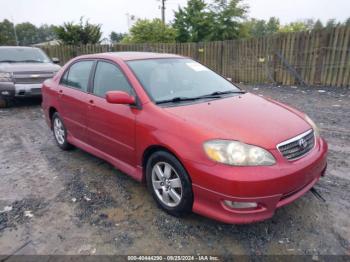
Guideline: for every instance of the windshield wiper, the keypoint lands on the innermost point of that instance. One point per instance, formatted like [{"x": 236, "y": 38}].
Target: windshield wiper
[
  {"x": 177, "y": 99},
  {"x": 30, "y": 61},
  {"x": 8, "y": 61},
  {"x": 217, "y": 93}
]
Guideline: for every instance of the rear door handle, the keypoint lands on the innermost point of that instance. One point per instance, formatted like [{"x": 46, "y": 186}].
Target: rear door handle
[
  {"x": 91, "y": 101},
  {"x": 60, "y": 93}
]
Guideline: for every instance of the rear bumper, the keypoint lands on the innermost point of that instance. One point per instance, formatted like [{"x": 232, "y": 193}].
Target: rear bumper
[{"x": 269, "y": 187}]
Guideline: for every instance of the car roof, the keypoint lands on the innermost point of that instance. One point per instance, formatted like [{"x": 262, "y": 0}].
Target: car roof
[{"x": 127, "y": 56}]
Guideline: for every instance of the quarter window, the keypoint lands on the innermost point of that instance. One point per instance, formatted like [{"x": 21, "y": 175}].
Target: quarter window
[
  {"x": 78, "y": 75},
  {"x": 108, "y": 77}
]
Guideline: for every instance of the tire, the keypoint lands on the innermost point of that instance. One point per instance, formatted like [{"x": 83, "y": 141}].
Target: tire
[
  {"x": 60, "y": 132},
  {"x": 176, "y": 181},
  {"x": 3, "y": 103}
]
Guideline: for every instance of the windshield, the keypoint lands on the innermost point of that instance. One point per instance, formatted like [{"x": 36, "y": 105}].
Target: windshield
[
  {"x": 23, "y": 55},
  {"x": 178, "y": 79}
]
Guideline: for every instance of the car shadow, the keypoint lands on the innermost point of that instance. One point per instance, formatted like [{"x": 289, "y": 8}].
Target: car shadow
[{"x": 26, "y": 102}]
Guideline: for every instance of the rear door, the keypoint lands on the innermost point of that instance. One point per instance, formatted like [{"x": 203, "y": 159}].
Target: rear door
[
  {"x": 73, "y": 97},
  {"x": 111, "y": 127}
]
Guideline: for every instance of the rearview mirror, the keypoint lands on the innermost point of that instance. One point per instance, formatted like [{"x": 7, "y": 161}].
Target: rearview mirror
[
  {"x": 55, "y": 60},
  {"x": 119, "y": 97}
]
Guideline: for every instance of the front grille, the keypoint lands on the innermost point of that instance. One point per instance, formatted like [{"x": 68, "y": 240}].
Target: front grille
[
  {"x": 298, "y": 146},
  {"x": 31, "y": 77},
  {"x": 38, "y": 80}
]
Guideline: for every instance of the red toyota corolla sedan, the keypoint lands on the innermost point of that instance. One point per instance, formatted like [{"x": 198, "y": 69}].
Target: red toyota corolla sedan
[{"x": 200, "y": 143}]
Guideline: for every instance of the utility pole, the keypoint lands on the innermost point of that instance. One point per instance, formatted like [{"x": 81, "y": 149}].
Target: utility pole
[
  {"x": 163, "y": 11},
  {"x": 128, "y": 20}
]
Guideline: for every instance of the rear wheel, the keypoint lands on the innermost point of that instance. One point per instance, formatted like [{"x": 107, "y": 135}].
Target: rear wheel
[
  {"x": 169, "y": 183},
  {"x": 60, "y": 132}
]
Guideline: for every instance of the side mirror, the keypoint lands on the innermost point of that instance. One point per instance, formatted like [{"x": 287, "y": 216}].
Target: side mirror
[
  {"x": 55, "y": 60},
  {"x": 120, "y": 97}
]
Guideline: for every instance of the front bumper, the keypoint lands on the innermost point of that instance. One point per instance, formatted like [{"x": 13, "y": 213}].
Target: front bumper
[
  {"x": 271, "y": 187},
  {"x": 27, "y": 90},
  {"x": 7, "y": 90},
  {"x": 11, "y": 90}
]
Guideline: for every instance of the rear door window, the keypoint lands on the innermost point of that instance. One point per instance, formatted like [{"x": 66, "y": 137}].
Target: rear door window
[{"x": 77, "y": 76}]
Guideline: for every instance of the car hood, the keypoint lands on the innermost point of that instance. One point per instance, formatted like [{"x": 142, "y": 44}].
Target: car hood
[
  {"x": 247, "y": 118},
  {"x": 28, "y": 67}
]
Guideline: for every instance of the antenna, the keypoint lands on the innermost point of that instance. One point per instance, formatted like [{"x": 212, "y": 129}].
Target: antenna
[{"x": 128, "y": 20}]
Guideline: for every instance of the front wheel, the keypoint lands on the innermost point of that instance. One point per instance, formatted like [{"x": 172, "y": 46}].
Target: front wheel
[
  {"x": 169, "y": 183},
  {"x": 3, "y": 102},
  {"x": 60, "y": 132}
]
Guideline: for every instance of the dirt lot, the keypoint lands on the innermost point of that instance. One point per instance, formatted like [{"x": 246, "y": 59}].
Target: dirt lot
[{"x": 74, "y": 203}]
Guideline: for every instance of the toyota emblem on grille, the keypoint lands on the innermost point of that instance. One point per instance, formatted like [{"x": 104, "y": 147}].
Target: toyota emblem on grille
[{"x": 302, "y": 143}]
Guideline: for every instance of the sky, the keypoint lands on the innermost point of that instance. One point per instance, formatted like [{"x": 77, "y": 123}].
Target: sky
[{"x": 112, "y": 14}]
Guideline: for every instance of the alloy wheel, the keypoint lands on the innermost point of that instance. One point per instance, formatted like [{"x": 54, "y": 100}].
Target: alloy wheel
[
  {"x": 167, "y": 184},
  {"x": 59, "y": 131}
]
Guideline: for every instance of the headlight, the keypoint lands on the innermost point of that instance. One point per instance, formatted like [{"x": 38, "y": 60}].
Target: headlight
[
  {"x": 5, "y": 77},
  {"x": 313, "y": 125},
  {"x": 237, "y": 154}
]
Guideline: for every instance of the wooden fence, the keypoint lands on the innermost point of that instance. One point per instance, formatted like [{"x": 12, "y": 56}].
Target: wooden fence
[{"x": 319, "y": 57}]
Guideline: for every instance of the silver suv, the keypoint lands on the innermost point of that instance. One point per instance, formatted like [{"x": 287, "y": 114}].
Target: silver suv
[{"x": 22, "y": 72}]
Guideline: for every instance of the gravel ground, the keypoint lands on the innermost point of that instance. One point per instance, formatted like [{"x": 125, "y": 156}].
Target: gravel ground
[{"x": 55, "y": 202}]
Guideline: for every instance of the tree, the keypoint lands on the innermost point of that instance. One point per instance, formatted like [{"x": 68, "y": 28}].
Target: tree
[
  {"x": 347, "y": 22},
  {"x": 318, "y": 25},
  {"x": 198, "y": 21},
  {"x": 193, "y": 22},
  {"x": 150, "y": 31},
  {"x": 7, "y": 36},
  {"x": 331, "y": 23},
  {"x": 79, "y": 34},
  {"x": 294, "y": 27},
  {"x": 273, "y": 25},
  {"x": 181, "y": 26},
  {"x": 227, "y": 19},
  {"x": 310, "y": 24},
  {"x": 116, "y": 37},
  {"x": 253, "y": 28},
  {"x": 46, "y": 33},
  {"x": 259, "y": 28},
  {"x": 27, "y": 34}
]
